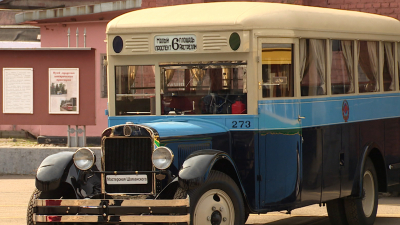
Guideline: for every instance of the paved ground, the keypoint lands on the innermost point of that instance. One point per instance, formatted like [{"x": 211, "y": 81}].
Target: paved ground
[{"x": 15, "y": 192}]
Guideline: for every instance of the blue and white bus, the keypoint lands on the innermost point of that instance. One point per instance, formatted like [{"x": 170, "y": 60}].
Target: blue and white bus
[{"x": 235, "y": 108}]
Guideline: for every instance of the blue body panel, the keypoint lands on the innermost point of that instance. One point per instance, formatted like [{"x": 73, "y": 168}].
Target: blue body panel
[
  {"x": 279, "y": 114},
  {"x": 284, "y": 162},
  {"x": 283, "y": 114},
  {"x": 328, "y": 111}
]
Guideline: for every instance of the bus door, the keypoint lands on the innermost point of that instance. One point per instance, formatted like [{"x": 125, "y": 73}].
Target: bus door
[{"x": 279, "y": 135}]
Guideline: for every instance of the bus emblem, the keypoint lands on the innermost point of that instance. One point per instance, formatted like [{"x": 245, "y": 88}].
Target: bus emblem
[{"x": 345, "y": 110}]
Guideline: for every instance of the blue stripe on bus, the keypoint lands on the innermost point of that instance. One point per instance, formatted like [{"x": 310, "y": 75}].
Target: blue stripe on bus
[{"x": 281, "y": 114}]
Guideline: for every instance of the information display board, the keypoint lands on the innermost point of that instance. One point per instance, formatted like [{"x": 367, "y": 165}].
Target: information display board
[
  {"x": 64, "y": 90},
  {"x": 48, "y": 86},
  {"x": 18, "y": 90}
]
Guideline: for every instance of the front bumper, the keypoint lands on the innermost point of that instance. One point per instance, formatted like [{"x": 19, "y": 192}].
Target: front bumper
[{"x": 112, "y": 211}]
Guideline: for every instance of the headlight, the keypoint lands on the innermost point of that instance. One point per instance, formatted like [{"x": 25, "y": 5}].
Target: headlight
[
  {"x": 162, "y": 158},
  {"x": 84, "y": 158}
]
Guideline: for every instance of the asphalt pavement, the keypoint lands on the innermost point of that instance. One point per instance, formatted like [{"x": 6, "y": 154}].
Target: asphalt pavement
[{"x": 16, "y": 190}]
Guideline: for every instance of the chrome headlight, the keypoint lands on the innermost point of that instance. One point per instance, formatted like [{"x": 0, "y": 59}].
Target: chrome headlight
[
  {"x": 162, "y": 158},
  {"x": 84, "y": 158}
]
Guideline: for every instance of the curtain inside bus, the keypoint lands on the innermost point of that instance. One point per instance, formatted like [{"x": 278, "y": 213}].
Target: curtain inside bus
[
  {"x": 368, "y": 67},
  {"x": 341, "y": 64},
  {"x": 312, "y": 67}
]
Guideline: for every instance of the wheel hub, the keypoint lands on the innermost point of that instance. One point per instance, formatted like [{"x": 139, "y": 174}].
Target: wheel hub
[
  {"x": 214, "y": 207},
  {"x": 216, "y": 218}
]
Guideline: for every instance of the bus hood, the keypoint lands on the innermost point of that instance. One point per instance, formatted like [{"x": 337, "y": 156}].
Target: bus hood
[{"x": 175, "y": 127}]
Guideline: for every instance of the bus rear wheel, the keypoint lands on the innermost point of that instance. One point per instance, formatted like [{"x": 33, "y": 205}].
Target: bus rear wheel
[
  {"x": 336, "y": 212},
  {"x": 363, "y": 210}
]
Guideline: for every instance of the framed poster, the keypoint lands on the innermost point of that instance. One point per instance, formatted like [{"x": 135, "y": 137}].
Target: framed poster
[
  {"x": 18, "y": 90},
  {"x": 64, "y": 90}
]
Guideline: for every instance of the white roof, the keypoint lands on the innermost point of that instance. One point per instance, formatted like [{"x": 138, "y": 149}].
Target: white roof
[{"x": 251, "y": 15}]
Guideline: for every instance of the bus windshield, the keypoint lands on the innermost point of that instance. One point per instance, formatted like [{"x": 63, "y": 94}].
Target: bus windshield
[{"x": 203, "y": 88}]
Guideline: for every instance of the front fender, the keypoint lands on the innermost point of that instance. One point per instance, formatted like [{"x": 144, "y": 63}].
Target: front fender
[
  {"x": 59, "y": 168},
  {"x": 51, "y": 170},
  {"x": 197, "y": 166}
]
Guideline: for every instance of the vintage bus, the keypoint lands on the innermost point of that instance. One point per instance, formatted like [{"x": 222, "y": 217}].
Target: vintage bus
[{"x": 220, "y": 110}]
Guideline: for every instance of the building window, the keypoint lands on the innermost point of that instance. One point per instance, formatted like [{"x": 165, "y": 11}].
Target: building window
[{"x": 103, "y": 76}]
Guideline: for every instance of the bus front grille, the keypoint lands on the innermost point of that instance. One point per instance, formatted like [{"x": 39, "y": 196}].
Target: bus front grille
[{"x": 128, "y": 154}]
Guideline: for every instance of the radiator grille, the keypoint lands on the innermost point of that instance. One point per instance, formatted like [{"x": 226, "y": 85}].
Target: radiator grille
[{"x": 129, "y": 154}]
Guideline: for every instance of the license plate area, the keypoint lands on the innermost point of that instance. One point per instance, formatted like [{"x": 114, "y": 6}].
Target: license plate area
[{"x": 126, "y": 179}]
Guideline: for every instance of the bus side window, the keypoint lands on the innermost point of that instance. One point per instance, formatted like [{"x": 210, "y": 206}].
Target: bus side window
[
  {"x": 398, "y": 60},
  {"x": 368, "y": 66},
  {"x": 388, "y": 66},
  {"x": 342, "y": 72},
  {"x": 277, "y": 70},
  {"x": 312, "y": 67}
]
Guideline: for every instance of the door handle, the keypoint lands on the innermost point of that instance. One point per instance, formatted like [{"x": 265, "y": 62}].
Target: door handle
[{"x": 300, "y": 118}]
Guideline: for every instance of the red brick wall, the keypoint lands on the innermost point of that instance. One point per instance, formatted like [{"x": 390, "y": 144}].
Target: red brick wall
[
  {"x": 384, "y": 7},
  {"x": 159, "y": 3},
  {"x": 35, "y": 4},
  {"x": 7, "y": 17}
]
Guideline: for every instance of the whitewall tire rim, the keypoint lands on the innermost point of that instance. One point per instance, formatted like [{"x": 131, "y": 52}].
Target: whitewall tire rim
[
  {"x": 368, "y": 201},
  {"x": 214, "y": 204}
]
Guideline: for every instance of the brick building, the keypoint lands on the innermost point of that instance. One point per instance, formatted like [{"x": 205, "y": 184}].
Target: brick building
[
  {"x": 384, "y": 7},
  {"x": 54, "y": 27}
]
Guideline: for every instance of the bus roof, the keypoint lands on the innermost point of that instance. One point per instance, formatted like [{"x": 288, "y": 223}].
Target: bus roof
[{"x": 251, "y": 15}]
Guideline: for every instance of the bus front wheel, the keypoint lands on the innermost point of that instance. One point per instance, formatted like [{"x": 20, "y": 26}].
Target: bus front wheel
[
  {"x": 363, "y": 210},
  {"x": 217, "y": 201}
]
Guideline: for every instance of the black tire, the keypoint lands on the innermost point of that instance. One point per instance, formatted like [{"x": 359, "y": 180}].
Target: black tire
[
  {"x": 37, "y": 194},
  {"x": 29, "y": 214},
  {"x": 218, "y": 198},
  {"x": 246, "y": 216},
  {"x": 362, "y": 211},
  {"x": 336, "y": 212}
]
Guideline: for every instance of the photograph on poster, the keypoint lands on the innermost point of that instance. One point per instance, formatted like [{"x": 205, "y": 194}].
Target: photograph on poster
[
  {"x": 18, "y": 90},
  {"x": 64, "y": 90}
]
